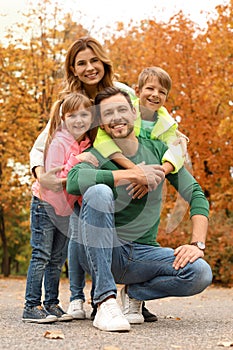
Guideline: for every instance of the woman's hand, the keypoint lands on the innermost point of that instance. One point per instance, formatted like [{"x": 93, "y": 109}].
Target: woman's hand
[
  {"x": 88, "y": 157},
  {"x": 50, "y": 181}
]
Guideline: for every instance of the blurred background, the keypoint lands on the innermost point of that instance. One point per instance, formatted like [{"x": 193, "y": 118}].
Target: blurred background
[{"x": 192, "y": 43}]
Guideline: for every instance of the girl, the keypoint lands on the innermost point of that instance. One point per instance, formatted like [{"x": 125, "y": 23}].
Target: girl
[{"x": 69, "y": 135}]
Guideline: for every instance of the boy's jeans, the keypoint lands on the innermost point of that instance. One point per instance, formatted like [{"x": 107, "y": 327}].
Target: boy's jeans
[
  {"x": 147, "y": 270},
  {"x": 49, "y": 241}
]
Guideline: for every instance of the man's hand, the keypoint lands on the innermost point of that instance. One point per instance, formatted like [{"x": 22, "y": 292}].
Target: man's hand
[
  {"x": 50, "y": 181},
  {"x": 185, "y": 254},
  {"x": 150, "y": 175},
  {"x": 137, "y": 191}
]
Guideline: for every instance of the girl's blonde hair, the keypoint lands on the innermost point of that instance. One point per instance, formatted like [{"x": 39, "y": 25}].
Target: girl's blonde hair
[
  {"x": 72, "y": 82},
  {"x": 70, "y": 103},
  {"x": 163, "y": 77}
]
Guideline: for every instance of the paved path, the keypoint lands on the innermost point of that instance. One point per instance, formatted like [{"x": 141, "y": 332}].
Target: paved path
[{"x": 200, "y": 322}]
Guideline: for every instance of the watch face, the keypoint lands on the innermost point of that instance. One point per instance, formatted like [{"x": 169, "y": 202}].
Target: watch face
[{"x": 201, "y": 245}]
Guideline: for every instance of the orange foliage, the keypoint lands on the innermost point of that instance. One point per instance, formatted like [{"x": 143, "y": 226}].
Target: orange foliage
[
  {"x": 201, "y": 67},
  {"x": 31, "y": 75}
]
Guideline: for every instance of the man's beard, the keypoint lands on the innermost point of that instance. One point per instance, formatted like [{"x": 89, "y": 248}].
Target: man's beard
[{"x": 123, "y": 134}]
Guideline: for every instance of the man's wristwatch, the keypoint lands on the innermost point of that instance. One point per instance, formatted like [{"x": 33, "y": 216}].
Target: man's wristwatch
[{"x": 200, "y": 245}]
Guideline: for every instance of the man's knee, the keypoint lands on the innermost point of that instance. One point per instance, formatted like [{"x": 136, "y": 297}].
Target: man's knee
[
  {"x": 99, "y": 197},
  {"x": 206, "y": 273},
  {"x": 202, "y": 275}
]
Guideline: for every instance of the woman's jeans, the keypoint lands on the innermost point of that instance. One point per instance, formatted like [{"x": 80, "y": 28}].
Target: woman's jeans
[
  {"x": 147, "y": 270},
  {"x": 49, "y": 241}
]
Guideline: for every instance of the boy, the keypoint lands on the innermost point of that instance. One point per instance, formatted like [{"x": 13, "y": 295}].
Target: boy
[{"x": 153, "y": 121}]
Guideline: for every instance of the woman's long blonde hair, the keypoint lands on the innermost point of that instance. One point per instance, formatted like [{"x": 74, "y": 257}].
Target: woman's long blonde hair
[{"x": 72, "y": 82}]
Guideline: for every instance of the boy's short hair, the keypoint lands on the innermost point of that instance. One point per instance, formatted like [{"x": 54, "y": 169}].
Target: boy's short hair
[{"x": 163, "y": 77}]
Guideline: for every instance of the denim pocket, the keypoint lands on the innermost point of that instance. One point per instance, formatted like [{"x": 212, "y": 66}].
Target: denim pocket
[{"x": 40, "y": 221}]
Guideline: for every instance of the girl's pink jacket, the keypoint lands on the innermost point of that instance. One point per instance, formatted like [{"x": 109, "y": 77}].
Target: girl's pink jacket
[{"x": 61, "y": 151}]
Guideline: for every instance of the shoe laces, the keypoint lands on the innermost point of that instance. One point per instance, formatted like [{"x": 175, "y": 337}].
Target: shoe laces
[
  {"x": 41, "y": 311},
  {"x": 112, "y": 308},
  {"x": 134, "y": 306},
  {"x": 78, "y": 304}
]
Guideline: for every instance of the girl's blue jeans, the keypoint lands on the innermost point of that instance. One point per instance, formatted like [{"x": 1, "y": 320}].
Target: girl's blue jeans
[{"x": 49, "y": 241}]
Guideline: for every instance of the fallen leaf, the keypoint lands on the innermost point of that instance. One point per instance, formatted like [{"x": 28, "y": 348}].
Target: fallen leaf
[
  {"x": 225, "y": 343},
  {"x": 54, "y": 334},
  {"x": 172, "y": 317}
]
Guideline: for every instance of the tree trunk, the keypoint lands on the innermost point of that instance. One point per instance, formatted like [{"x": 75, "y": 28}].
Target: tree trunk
[{"x": 5, "y": 256}]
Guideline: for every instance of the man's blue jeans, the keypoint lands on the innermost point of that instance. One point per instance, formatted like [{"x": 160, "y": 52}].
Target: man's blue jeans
[
  {"x": 49, "y": 241},
  {"x": 147, "y": 270}
]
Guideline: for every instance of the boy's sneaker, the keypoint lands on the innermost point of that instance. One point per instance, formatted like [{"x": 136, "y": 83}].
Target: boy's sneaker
[
  {"x": 37, "y": 314},
  {"x": 131, "y": 308},
  {"x": 57, "y": 311},
  {"x": 76, "y": 309},
  {"x": 109, "y": 317},
  {"x": 148, "y": 316}
]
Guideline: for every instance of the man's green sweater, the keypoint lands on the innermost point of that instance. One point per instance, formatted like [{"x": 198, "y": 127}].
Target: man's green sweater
[{"x": 137, "y": 219}]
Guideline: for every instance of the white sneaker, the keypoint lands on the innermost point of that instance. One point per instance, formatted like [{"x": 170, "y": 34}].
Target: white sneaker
[
  {"x": 131, "y": 308},
  {"x": 76, "y": 309},
  {"x": 109, "y": 317}
]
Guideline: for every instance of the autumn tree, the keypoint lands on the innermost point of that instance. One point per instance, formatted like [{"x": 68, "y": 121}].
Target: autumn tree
[
  {"x": 218, "y": 94},
  {"x": 200, "y": 65},
  {"x": 31, "y": 76}
]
